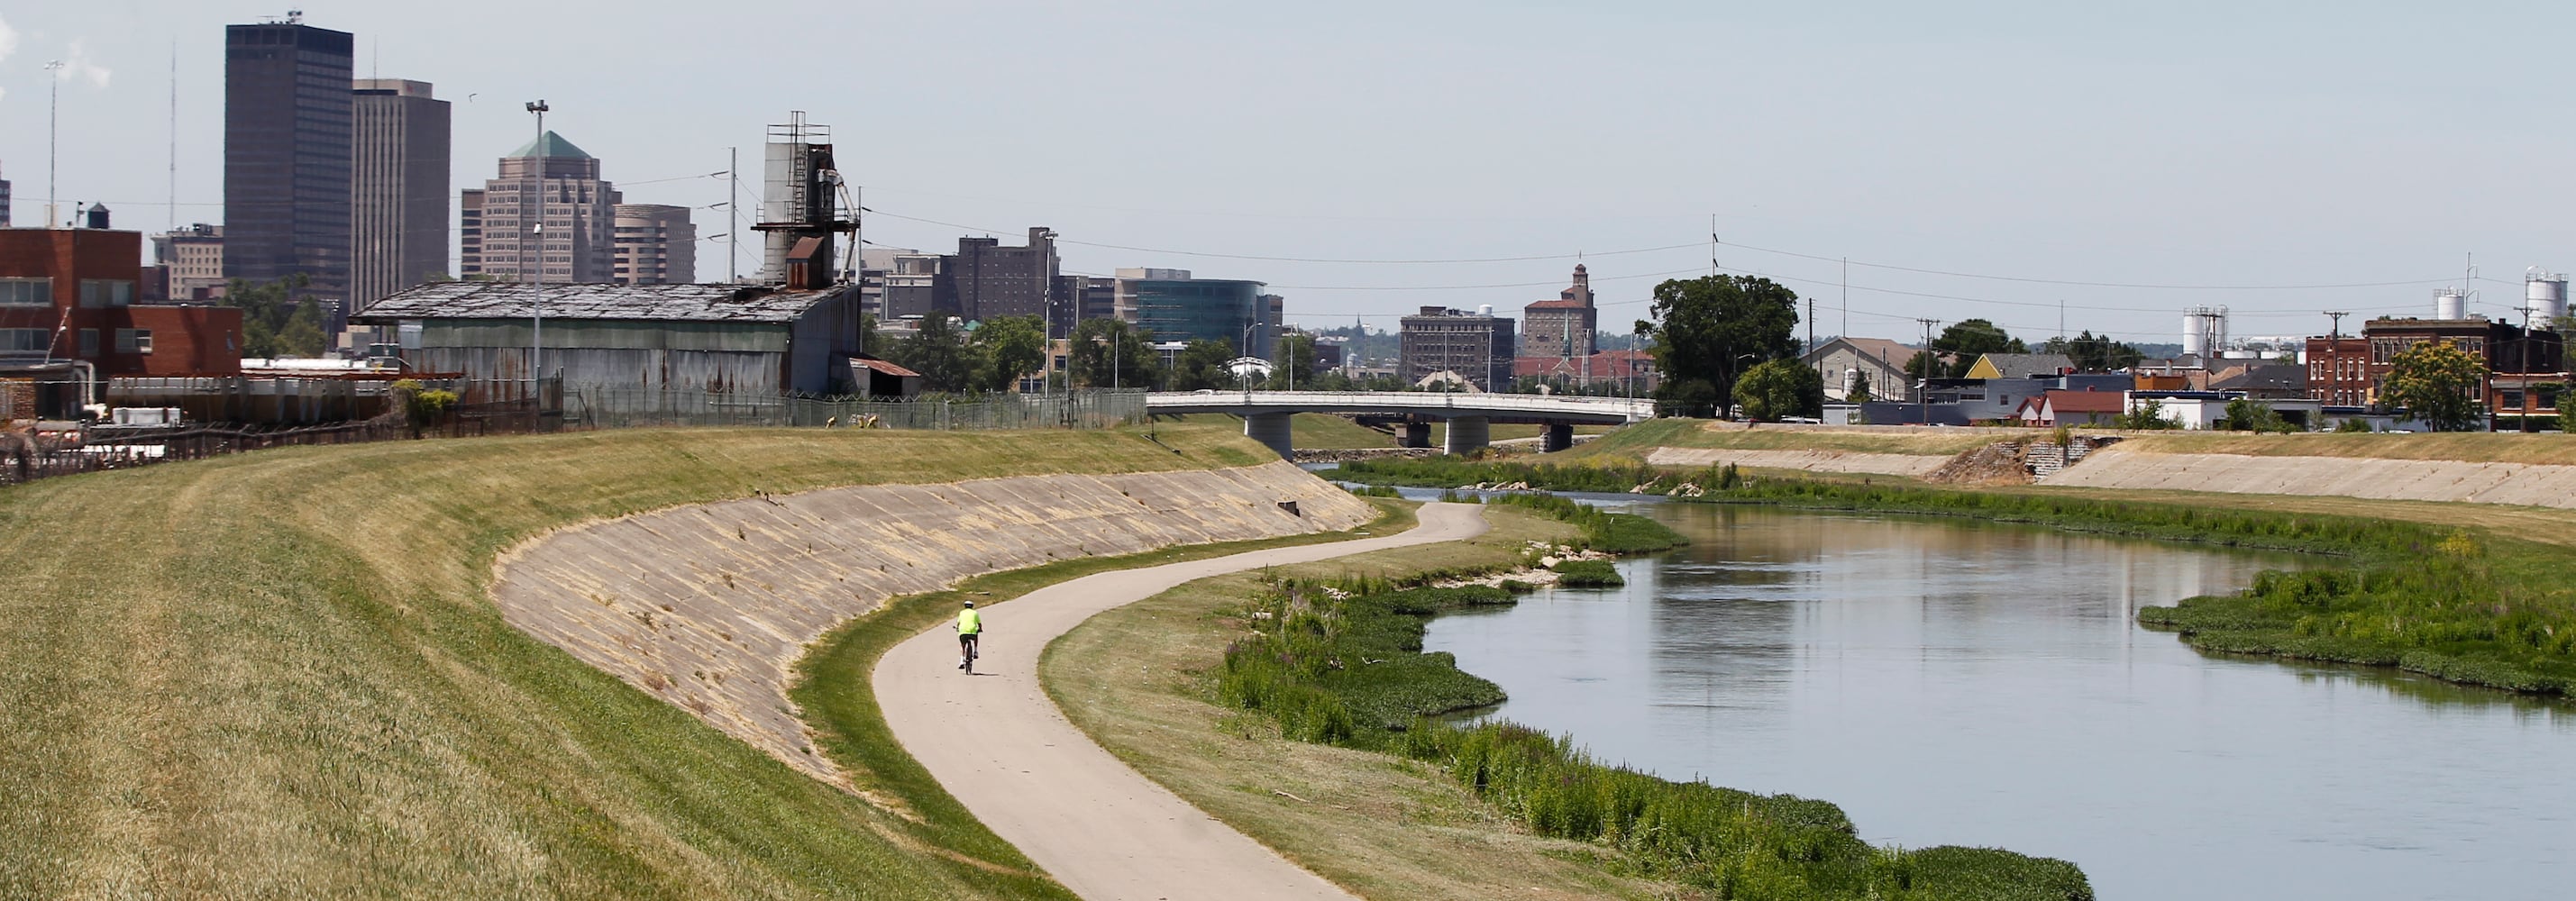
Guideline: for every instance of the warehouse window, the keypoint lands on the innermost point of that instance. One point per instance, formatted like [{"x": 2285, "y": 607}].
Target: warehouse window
[
  {"x": 26, "y": 292},
  {"x": 134, "y": 341}
]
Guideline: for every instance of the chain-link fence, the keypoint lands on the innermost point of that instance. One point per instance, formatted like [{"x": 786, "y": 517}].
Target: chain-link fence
[{"x": 612, "y": 408}]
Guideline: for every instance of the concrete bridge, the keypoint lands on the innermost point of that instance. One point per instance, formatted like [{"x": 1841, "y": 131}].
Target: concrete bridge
[{"x": 1470, "y": 416}]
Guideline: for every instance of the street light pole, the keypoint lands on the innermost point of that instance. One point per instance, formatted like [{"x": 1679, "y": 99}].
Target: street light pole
[
  {"x": 53, "y": 135},
  {"x": 537, "y": 319}
]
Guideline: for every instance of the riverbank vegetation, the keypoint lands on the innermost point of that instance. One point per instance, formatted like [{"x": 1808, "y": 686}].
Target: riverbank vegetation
[
  {"x": 1341, "y": 663},
  {"x": 2458, "y": 603}
]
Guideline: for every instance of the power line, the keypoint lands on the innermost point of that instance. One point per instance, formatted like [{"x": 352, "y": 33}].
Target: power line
[
  {"x": 1277, "y": 259},
  {"x": 2087, "y": 284}
]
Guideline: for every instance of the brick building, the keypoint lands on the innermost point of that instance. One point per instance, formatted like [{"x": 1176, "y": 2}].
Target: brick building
[
  {"x": 69, "y": 321},
  {"x": 1562, "y": 327},
  {"x": 2519, "y": 364},
  {"x": 1476, "y": 346}
]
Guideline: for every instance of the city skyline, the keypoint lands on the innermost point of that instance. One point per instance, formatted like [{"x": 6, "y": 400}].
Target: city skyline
[{"x": 2197, "y": 146}]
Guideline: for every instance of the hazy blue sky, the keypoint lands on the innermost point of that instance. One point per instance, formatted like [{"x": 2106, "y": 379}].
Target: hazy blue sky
[{"x": 2190, "y": 144}]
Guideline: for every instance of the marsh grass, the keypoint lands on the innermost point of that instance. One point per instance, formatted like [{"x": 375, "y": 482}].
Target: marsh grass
[{"x": 280, "y": 674}]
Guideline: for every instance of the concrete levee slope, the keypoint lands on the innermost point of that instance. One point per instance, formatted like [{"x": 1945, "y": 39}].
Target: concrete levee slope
[
  {"x": 709, "y": 607},
  {"x": 2532, "y": 484},
  {"x": 1915, "y": 465}
]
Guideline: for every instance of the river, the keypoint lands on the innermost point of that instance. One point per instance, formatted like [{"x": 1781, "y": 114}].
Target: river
[{"x": 1954, "y": 682}]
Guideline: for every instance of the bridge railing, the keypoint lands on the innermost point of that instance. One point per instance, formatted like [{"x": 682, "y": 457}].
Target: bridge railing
[{"x": 1522, "y": 404}]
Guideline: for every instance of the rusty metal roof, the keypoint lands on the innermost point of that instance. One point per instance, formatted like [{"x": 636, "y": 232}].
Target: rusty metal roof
[{"x": 683, "y": 303}]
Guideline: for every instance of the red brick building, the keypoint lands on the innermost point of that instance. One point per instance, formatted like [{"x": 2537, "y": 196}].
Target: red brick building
[
  {"x": 69, "y": 296},
  {"x": 2522, "y": 368}
]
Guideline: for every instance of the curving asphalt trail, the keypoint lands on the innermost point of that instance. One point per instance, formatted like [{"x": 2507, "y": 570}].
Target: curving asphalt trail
[{"x": 997, "y": 743}]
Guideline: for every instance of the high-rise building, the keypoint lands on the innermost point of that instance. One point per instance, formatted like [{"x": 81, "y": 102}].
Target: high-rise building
[
  {"x": 655, "y": 245},
  {"x": 1562, "y": 327},
  {"x": 1474, "y": 346},
  {"x": 287, "y": 155},
  {"x": 469, "y": 235},
  {"x": 193, "y": 258},
  {"x": 398, "y": 188},
  {"x": 549, "y": 182},
  {"x": 992, "y": 280}
]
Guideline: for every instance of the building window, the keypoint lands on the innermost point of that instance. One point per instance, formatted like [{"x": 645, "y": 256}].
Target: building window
[
  {"x": 24, "y": 340},
  {"x": 100, "y": 292},
  {"x": 26, "y": 292},
  {"x": 134, "y": 341},
  {"x": 88, "y": 342}
]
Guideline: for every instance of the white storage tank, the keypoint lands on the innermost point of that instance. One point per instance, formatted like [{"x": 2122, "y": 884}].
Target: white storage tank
[
  {"x": 2544, "y": 296},
  {"x": 2448, "y": 304}
]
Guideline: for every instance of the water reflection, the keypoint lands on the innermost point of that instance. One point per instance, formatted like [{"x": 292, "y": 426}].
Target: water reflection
[{"x": 1949, "y": 681}]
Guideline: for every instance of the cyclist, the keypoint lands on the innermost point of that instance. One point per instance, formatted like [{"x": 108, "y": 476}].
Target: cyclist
[{"x": 970, "y": 625}]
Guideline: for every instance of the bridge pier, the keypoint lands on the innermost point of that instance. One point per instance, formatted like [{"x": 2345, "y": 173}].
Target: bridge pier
[
  {"x": 1560, "y": 435},
  {"x": 1467, "y": 434},
  {"x": 1271, "y": 429},
  {"x": 1416, "y": 434}
]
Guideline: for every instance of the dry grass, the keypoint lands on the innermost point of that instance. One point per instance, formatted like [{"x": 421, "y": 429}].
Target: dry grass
[
  {"x": 279, "y": 675},
  {"x": 2472, "y": 447},
  {"x": 1136, "y": 679}
]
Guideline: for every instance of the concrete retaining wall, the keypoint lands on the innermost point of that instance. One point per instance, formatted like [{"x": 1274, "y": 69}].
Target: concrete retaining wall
[
  {"x": 709, "y": 607},
  {"x": 2379, "y": 479},
  {"x": 1809, "y": 460}
]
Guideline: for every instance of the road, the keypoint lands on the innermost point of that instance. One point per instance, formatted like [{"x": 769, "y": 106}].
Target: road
[{"x": 999, "y": 745}]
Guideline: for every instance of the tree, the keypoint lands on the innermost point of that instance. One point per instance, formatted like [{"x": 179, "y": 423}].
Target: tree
[
  {"x": 1008, "y": 347},
  {"x": 1201, "y": 364},
  {"x": 1779, "y": 389},
  {"x": 1109, "y": 353},
  {"x": 1295, "y": 363},
  {"x": 2095, "y": 353},
  {"x": 2245, "y": 415},
  {"x": 939, "y": 352},
  {"x": 275, "y": 323},
  {"x": 1859, "y": 391},
  {"x": 1713, "y": 328},
  {"x": 1967, "y": 340},
  {"x": 2432, "y": 380},
  {"x": 2148, "y": 416}
]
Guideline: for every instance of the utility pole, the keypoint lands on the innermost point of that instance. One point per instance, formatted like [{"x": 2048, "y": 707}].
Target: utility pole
[
  {"x": 733, "y": 215},
  {"x": 2525, "y": 341},
  {"x": 1924, "y": 396},
  {"x": 537, "y": 331},
  {"x": 2334, "y": 356}
]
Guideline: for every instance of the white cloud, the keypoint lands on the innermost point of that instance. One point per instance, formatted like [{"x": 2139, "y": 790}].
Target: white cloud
[
  {"x": 8, "y": 40},
  {"x": 79, "y": 65}
]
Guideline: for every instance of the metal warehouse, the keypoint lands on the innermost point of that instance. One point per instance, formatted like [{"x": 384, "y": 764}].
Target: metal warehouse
[{"x": 746, "y": 339}]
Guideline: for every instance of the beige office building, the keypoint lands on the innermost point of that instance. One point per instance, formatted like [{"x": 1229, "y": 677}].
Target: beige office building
[
  {"x": 549, "y": 181},
  {"x": 194, "y": 258},
  {"x": 398, "y": 188},
  {"x": 656, "y": 245}
]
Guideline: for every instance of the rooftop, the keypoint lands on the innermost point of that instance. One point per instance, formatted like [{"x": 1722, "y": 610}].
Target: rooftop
[
  {"x": 668, "y": 303},
  {"x": 555, "y": 147}
]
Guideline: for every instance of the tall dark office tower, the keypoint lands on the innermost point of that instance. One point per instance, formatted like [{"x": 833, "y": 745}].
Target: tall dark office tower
[
  {"x": 399, "y": 189},
  {"x": 287, "y": 155}
]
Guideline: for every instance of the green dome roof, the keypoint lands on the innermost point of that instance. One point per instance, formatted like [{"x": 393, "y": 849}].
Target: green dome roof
[{"x": 555, "y": 147}]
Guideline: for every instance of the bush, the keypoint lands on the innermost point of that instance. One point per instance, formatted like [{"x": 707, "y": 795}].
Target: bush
[{"x": 1588, "y": 574}]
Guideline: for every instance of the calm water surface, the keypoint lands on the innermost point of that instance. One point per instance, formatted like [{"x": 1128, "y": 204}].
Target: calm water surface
[{"x": 1948, "y": 682}]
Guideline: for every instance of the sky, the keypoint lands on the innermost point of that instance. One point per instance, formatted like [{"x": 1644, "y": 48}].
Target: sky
[{"x": 2003, "y": 161}]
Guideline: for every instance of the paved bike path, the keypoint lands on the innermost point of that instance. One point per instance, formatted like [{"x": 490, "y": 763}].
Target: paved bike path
[{"x": 999, "y": 745}]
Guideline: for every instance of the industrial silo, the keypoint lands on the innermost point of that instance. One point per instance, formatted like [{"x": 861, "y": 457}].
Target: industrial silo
[
  {"x": 2544, "y": 296},
  {"x": 2448, "y": 304}
]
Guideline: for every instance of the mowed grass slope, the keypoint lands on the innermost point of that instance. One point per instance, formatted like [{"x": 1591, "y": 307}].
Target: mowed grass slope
[
  {"x": 279, "y": 675},
  {"x": 2472, "y": 447}
]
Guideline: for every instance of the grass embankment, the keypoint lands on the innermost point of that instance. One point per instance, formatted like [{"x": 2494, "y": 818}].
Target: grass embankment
[
  {"x": 1638, "y": 440},
  {"x": 2457, "y": 602},
  {"x": 1339, "y": 662},
  {"x": 280, "y": 674}
]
